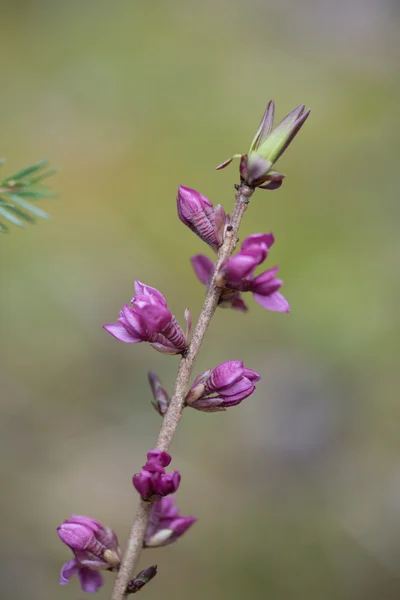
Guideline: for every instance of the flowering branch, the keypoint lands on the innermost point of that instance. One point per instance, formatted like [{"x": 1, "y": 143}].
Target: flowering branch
[
  {"x": 148, "y": 319},
  {"x": 174, "y": 412}
]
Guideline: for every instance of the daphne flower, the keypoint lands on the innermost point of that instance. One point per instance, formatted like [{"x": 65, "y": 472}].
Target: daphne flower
[
  {"x": 227, "y": 385},
  {"x": 95, "y": 548},
  {"x": 165, "y": 524},
  {"x": 237, "y": 275},
  {"x": 198, "y": 213},
  {"x": 149, "y": 320},
  {"x": 153, "y": 481}
]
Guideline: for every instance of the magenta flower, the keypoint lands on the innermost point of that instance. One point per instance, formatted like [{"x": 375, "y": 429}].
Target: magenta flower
[
  {"x": 254, "y": 251},
  {"x": 149, "y": 320},
  {"x": 237, "y": 275},
  {"x": 225, "y": 386},
  {"x": 165, "y": 524},
  {"x": 95, "y": 548},
  {"x": 198, "y": 213},
  {"x": 153, "y": 481}
]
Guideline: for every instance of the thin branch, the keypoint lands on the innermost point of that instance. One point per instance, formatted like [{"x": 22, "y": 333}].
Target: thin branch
[{"x": 174, "y": 412}]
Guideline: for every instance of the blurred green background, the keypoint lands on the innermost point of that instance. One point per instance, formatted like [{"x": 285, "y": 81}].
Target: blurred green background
[{"x": 297, "y": 490}]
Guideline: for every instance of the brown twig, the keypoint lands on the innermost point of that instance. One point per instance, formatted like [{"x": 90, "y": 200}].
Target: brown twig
[{"x": 174, "y": 412}]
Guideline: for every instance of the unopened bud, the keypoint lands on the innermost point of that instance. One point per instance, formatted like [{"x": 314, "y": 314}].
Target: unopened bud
[{"x": 140, "y": 580}]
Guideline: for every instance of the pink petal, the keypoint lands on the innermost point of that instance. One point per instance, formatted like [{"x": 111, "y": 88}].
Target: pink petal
[
  {"x": 275, "y": 302},
  {"x": 68, "y": 570},
  {"x": 119, "y": 332},
  {"x": 90, "y": 580},
  {"x": 203, "y": 267}
]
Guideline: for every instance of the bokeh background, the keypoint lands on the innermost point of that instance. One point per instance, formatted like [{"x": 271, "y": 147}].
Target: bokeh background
[{"x": 297, "y": 490}]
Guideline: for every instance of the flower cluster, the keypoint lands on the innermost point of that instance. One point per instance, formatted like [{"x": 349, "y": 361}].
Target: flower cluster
[
  {"x": 225, "y": 386},
  {"x": 237, "y": 275},
  {"x": 149, "y": 320},
  {"x": 95, "y": 548},
  {"x": 153, "y": 481}
]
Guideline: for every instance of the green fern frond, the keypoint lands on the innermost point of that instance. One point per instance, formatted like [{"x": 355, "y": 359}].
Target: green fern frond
[{"x": 20, "y": 190}]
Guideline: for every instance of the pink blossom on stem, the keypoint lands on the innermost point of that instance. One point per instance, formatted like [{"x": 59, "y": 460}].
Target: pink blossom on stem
[
  {"x": 227, "y": 385},
  {"x": 165, "y": 524},
  {"x": 237, "y": 275},
  {"x": 198, "y": 213},
  {"x": 95, "y": 548},
  {"x": 153, "y": 481},
  {"x": 149, "y": 320}
]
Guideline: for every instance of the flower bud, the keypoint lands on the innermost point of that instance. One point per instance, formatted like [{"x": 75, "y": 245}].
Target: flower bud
[
  {"x": 267, "y": 146},
  {"x": 198, "y": 213},
  {"x": 161, "y": 397},
  {"x": 153, "y": 481},
  {"x": 141, "y": 579},
  {"x": 227, "y": 385}
]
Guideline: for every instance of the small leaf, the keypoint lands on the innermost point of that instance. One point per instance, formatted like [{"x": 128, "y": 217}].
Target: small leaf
[
  {"x": 28, "y": 170},
  {"x": 44, "y": 175},
  {"x": 36, "y": 195},
  {"x": 10, "y": 217},
  {"x": 33, "y": 209}
]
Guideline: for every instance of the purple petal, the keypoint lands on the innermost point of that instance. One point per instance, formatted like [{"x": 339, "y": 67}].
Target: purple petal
[
  {"x": 181, "y": 525},
  {"x": 164, "y": 509},
  {"x": 226, "y": 374},
  {"x": 258, "y": 239},
  {"x": 154, "y": 316},
  {"x": 143, "y": 483},
  {"x": 132, "y": 322},
  {"x": 145, "y": 290},
  {"x": 119, "y": 332},
  {"x": 90, "y": 580},
  {"x": 163, "y": 458},
  {"x": 203, "y": 267},
  {"x": 68, "y": 570},
  {"x": 264, "y": 282},
  {"x": 237, "y": 392},
  {"x": 242, "y": 265},
  {"x": 251, "y": 375},
  {"x": 75, "y": 535},
  {"x": 167, "y": 483},
  {"x": 94, "y": 525},
  {"x": 238, "y": 304},
  {"x": 275, "y": 302}
]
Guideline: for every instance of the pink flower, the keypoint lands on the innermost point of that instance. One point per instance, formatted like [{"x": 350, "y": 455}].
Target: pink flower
[
  {"x": 198, "y": 213},
  {"x": 153, "y": 481},
  {"x": 227, "y": 385},
  {"x": 237, "y": 275},
  {"x": 149, "y": 320},
  {"x": 165, "y": 524},
  {"x": 95, "y": 548}
]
